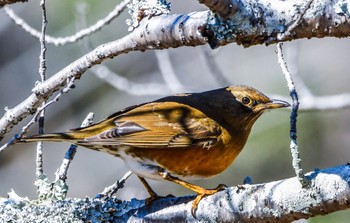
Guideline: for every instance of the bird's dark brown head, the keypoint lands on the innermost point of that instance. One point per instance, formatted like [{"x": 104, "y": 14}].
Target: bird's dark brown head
[
  {"x": 246, "y": 104},
  {"x": 254, "y": 100}
]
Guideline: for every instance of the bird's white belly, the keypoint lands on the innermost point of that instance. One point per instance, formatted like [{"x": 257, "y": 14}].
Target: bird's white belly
[{"x": 141, "y": 167}]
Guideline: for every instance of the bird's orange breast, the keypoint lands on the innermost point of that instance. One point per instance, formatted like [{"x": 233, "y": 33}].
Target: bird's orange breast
[{"x": 191, "y": 162}]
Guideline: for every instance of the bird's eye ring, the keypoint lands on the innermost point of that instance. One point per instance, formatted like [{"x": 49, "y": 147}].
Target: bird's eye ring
[{"x": 246, "y": 100}]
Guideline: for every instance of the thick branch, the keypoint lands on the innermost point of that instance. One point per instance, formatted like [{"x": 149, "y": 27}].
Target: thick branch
[
  {"x": 264, "y": 22},
  {"x": 279, "y": 201}
]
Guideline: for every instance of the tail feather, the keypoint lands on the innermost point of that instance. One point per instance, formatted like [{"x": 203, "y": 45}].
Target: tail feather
[{"x": 53, "y": 137}]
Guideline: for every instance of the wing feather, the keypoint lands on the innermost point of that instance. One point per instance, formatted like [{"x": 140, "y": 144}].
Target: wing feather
[{"x": 159, "y": 125}]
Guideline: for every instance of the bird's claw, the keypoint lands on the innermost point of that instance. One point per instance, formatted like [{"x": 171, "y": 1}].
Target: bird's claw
[
  {"x": 239, "y": 188},
  {"x": 204, "y": 193}
]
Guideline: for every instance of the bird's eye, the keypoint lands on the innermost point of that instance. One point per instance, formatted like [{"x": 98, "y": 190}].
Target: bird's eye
[{"x": 246, "y": 100}]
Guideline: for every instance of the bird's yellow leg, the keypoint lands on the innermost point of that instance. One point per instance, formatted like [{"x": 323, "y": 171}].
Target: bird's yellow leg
[
  {"x": 201, "y": 192},
  {"x": 152, "y": 193}
]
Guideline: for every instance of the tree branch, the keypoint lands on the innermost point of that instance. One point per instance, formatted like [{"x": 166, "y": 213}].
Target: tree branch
[
  {"x": 293, "y": 117},
  {"x": 62, "y": 41},
  {"x": 279, "y": 201},
  {"x": 263, "y": 22}
]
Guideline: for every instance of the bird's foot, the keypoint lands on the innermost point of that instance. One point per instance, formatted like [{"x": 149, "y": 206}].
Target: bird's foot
[
  {"x": 151, "y": 198},
  {"x": 240, "y": 188},
  {"x": 203, "y": 193}
]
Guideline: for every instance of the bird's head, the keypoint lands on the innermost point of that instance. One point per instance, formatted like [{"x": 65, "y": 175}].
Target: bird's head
[
  {"x": 254, "y": 100},
  {"x": 249, "y": 104}
]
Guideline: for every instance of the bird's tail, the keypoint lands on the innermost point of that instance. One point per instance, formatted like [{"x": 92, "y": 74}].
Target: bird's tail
[
  {"x": 73, "y": 135},
  {"x": 53, "y": 137}
]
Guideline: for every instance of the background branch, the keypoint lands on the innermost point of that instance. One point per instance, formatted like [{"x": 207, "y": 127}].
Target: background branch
[
  {"x": 61, "y": 41},
  {"x": 168, "y": 73}
]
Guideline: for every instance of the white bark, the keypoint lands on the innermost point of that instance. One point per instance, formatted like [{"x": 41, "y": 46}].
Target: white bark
[{"x": 279, "y": 201}]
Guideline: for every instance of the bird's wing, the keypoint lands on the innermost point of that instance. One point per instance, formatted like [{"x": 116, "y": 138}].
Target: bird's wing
[{"x": 156, "y": 125}]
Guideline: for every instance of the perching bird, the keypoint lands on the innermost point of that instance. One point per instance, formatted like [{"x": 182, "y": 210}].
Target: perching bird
[{"x": 177, "y": 138}]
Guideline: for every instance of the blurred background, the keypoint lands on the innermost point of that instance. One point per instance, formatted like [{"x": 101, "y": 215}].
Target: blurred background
[{"x": 324, "y": 137}]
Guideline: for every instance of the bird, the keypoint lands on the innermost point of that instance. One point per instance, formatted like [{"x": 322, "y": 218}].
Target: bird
[{"x": 183, "y": 137}]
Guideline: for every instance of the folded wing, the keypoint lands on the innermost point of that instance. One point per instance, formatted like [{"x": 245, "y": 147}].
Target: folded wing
[{"x": 156, "y": 125}]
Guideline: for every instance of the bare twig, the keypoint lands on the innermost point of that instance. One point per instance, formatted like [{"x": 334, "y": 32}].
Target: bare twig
[
  {"x": 45, "y": 189},
  {"x": 109, "y": 191},
  {"x": 58, "y": 189},
  {"x": 70, "y": 85},
  {"x": 123, "y": 84},
  {"x": 61, "y": 41},
  {"x": 81, "y": 13},
  {"x": 42, "y": 71},
  {"x": 292, "y": 58},
  {"x": 293, "y": 118},
  {"x": 167, "y": 71},
  {"x": 215, "y": 70},
  {"x": 61, "y": 173}
]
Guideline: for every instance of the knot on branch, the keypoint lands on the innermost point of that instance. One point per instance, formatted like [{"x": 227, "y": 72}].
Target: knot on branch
[
  {"x": 217, "y": 30},
  {"x": 38, "y": 89},
  {"x": 139, "y": 9}
]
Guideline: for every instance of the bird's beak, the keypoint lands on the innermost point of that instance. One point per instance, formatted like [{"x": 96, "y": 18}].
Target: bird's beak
[{"x": 274, "y": 103}]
